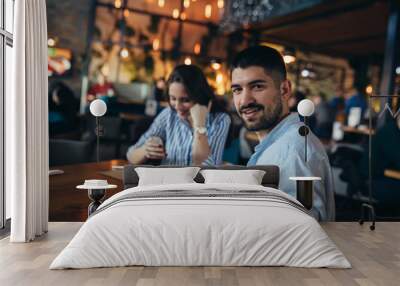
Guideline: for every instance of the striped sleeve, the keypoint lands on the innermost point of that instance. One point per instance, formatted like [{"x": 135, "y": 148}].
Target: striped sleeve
[
  {"x": 217, "y": 138},
  {"x": 157, "y": 128}
]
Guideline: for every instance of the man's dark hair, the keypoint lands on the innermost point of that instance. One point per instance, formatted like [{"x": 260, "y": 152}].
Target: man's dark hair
[{"x": 262, "y": 56}]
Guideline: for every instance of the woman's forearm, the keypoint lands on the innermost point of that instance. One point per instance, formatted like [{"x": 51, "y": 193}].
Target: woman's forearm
[{"x": 200, "y": 148}]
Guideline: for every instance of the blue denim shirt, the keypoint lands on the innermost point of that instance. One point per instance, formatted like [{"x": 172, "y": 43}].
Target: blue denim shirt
[{"x": 284, "y": 147}]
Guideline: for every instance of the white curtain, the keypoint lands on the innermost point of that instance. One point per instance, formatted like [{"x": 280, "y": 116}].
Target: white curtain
[{"x": 27, "y": 124}]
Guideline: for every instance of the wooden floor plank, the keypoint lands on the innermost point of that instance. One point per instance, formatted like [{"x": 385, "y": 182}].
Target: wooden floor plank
[{"x": 375, "y": 257}]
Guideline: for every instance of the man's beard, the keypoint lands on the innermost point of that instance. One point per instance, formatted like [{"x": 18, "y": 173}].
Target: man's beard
[{"x": 269, "y": 119}]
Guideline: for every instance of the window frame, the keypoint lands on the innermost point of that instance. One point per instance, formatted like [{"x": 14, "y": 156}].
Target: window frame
[{"x": 6, "y": 39}]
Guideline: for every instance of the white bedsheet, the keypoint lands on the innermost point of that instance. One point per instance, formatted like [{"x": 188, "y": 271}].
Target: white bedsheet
[{"x": 200, "y": 231}]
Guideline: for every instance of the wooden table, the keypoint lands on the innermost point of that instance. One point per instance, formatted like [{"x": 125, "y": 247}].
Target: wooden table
[
  {"x": 360, "y": 131},
  {"x": 374, "y": 256},
  {"x": 394, "y": 174},
  {"x": 66, "y": 203}
]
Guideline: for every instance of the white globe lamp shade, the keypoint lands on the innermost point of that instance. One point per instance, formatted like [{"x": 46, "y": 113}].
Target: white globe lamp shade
[
  {"x": 305, "y": 107},
  {"x": 98, "y": 107}
]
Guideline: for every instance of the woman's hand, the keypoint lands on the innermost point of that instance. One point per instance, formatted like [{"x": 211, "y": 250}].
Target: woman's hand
[
  {"x": 198, "y": 114},
  {"x": 154, "y": 148}
]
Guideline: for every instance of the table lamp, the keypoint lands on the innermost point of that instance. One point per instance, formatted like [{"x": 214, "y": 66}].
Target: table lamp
[
  {"x": 98, "y": 108},
  {"x": 304, "y": 185}
]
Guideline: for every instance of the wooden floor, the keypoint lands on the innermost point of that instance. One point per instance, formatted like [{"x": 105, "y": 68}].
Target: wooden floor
[{"x": 375, "y": 257}]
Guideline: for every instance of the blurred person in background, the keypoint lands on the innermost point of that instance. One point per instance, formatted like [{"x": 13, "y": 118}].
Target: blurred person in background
[
  {"x": 63, "y": 109},
  {"x": 323, "y": 115},
  {"x": 191, "y": 131},
  {"x": 357, "y": 99},
  {"x": 159, "y": 89},
  {"x": 337, "y": 104}
]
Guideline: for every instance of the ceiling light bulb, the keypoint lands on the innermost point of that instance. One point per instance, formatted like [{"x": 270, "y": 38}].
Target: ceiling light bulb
[
  {"x": 124, "y": 53},
  {"x": 288, "y": 59},
  {"x": 183, "y": 16},
  {"x": 305, "y": 73},
  {"x": 161, "y": 3},
  {"x": 188, "y": 61},
  {"x": 208, "y": 11},
  {"x": 197, "y": 48},
  {"x": 215, "y": 66},
  {"x": 126, "y": 13},
  {"x": 220, "y": 4},
  {"x": 117, "y": 4},
  {"x": 175, "y": 13},
  {"x": 369, "y": 89},
  {"x": 51, "y": 42},
  {"x": 156, "y": 44},
  {"x": 186, "y": 3},
  {"x": 220, "y": 78}
]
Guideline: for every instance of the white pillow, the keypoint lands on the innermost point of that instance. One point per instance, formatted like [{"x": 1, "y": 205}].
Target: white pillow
[
  {"x": 248, "y": 177},
  {"x": 166, "y": 176}
]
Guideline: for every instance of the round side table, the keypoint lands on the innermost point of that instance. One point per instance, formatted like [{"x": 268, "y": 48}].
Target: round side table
[
  {"x": 304, "y": 190},
  {"x": 96, "y": 192}
]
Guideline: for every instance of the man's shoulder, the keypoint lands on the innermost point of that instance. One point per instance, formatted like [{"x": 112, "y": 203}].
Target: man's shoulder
[{"x": 292, "y": 143}]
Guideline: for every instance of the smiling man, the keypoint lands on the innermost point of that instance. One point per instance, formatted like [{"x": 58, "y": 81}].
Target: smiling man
[{"x": 261, "y": 92}]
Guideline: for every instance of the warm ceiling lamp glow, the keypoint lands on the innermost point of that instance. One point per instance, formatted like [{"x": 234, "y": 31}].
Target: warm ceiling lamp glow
[
  {"x": 183, "y": 16},
  {"x": 186, "y": 3},
  {"x": 369, "y": 89},
  {"x": 220, "y": 78},
  {"x": 215, "y": 66},
  {"x": 288, "y": 59},
  {"x": 188, "y": 61},
  {"x": 197, "y": 48},
  {"x": 126, "y": 13},
  {"x": 161, "y": 3},
  {"x": 220, "y": 4},
  {"x": 124, "y": 53},
  {"x": 117, "y": 4},
  {"x": 175, "y": 13},
  {"x": 156, "y": 44},
  {"x": 51, "y": 42},
  {"x": 208, "y": 11}
]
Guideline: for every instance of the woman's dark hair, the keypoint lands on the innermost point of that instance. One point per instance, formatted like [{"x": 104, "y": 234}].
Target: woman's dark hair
[{"x": 196, "y": 86}]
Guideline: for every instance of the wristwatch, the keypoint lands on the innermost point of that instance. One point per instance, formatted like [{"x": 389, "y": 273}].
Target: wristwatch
[{"x": 201, "y": 130}]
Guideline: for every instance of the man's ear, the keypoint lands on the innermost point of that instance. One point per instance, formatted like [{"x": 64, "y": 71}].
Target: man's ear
[{"x": 286, "y": 89}]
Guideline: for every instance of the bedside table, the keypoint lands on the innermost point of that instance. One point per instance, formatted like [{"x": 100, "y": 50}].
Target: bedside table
[
  {"x": 96, "y": 192},
  {"x": 304, "y": 190}
]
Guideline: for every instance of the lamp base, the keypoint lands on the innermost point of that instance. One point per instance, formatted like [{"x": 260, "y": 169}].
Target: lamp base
[
  {"x": 371, "y": 215},
  {"x": 95, "y": 195}
]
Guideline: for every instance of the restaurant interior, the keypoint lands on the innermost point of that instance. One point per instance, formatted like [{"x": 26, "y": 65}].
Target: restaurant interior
[{"x": 122, "y": 52}]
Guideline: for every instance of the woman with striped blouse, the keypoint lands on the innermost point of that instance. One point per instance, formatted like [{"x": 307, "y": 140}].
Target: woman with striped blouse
[{"x": 193, "y": 129}]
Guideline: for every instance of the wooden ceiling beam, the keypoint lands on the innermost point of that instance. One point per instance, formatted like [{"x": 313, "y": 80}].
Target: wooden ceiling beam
[{"x": 163, "y": 16}]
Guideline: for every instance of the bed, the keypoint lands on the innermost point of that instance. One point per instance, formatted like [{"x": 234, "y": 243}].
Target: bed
[{"x": 201, "y": 224}]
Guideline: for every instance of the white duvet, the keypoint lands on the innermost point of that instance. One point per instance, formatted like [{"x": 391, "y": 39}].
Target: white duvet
[{"x": 188, "y": 231}]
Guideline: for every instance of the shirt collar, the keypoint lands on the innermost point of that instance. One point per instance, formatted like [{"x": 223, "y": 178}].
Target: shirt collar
[{"x": 273, "y": 135}]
